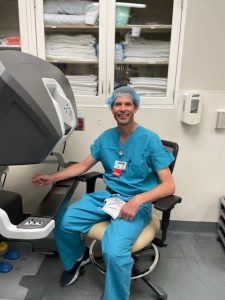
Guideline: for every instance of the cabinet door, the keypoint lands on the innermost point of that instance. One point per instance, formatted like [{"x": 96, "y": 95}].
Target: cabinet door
[
  {"x": 73, "y": 37},
  {"x": 146, "y": 36},
  {"x": 15, "y": 33}
]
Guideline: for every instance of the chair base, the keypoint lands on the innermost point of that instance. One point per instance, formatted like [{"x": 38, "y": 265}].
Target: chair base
[
  {"x": 137, "y": 273},
  {"x": 161, "y": 294}
]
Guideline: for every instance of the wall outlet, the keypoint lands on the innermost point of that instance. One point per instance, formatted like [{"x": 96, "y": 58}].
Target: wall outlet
[{"x": 220, "y": 119}]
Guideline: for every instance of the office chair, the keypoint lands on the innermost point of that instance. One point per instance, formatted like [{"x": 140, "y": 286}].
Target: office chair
[{"x": 144, "y": 252}]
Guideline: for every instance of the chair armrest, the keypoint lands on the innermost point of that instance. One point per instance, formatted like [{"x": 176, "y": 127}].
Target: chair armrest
[
  {"x": 90, "y": 176},
  {"x": 90, "y": 179},
  {"x": 167, "y": 203}
]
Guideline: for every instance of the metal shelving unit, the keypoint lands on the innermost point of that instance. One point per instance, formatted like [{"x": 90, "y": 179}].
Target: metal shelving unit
[{"x": 221, "y": 222}]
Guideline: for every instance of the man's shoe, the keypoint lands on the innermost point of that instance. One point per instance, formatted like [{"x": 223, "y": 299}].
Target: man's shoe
[{"x": 69, "y": 277}]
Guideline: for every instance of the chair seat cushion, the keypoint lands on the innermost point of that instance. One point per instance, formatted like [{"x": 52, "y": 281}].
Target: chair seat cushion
[{"x": 145, "y": 237}]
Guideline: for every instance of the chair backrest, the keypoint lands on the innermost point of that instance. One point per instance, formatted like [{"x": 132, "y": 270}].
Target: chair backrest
[{"x": 173, "y": 148}]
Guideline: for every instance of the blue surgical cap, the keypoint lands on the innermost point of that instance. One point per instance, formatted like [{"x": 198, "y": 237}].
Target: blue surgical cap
[{"x": 124, "y": 91}]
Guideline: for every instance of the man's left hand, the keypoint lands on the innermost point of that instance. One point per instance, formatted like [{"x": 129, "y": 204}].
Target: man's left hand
[{"x": 129, "y": 209}]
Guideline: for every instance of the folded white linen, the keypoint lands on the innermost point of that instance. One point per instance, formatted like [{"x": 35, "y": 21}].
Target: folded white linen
[
  {"x": 89, "y": 11},
  {"x": 79, "y": 47}
]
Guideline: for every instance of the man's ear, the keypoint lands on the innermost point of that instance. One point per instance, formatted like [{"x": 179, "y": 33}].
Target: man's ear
[{"x": 136, "y": 107}]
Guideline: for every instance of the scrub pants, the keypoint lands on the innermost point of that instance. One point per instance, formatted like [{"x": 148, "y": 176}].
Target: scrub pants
[{"x": 116, "y": 242}]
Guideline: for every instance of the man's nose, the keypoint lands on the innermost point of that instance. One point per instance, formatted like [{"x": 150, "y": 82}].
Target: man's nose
[{"x": 123, "y": 107}]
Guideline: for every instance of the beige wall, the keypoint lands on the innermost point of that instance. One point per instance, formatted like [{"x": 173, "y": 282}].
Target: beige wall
[
  {"x": 203, "y": 59},
  {"x": 200, "y": 168}
]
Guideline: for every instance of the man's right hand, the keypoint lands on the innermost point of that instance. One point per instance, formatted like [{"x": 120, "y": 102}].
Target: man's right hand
[{"x": 42, "y": 180}]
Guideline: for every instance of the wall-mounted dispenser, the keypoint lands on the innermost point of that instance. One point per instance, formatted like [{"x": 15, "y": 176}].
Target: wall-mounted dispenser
[{"x": 191, "y": 108}]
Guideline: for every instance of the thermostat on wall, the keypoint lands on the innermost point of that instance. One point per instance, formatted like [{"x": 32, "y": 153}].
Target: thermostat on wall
[{"x": 191, "y": 109}]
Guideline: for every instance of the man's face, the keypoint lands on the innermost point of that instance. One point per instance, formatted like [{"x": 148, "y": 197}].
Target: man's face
[{"x": 123, "y": 110}]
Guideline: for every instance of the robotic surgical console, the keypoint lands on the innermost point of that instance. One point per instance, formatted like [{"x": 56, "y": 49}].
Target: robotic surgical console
[{"x": 37, "y": 113}]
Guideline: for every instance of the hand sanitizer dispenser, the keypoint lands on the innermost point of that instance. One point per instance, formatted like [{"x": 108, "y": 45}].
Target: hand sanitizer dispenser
[{"x": 191, "y": 108}]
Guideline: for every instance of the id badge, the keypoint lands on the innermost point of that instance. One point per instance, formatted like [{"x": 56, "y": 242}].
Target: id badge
[{"x": 119, "y": 167}]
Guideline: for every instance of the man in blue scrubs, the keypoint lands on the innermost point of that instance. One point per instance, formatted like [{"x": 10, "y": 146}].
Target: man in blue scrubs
[{"x": 136, "y": 171}]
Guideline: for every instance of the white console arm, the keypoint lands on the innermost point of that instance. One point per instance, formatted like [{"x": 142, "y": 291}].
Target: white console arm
[{"x": 30, "y": 229}]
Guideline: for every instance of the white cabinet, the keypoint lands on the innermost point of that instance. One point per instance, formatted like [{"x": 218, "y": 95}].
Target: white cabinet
[
  {"x": 102, "y": 55},
  {"x": 17, "y": 25},
  {"x": 150, "y": 60}
]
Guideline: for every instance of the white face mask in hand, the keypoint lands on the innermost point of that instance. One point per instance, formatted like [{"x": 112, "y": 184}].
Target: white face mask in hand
[{"x": 113, "y": 206}]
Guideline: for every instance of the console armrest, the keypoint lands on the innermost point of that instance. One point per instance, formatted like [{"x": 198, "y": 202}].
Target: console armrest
[{"x": 60, "y": 192}]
